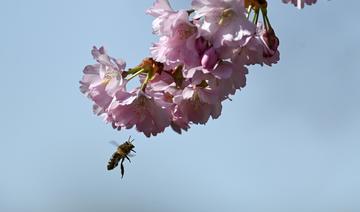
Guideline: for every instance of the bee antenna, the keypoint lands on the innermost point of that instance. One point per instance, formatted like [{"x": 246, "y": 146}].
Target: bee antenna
[
  {"x": 129, "y": 138},
  {"x": 132, "y": 140}
]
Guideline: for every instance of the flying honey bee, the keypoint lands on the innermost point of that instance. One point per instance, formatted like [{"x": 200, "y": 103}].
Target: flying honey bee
[{"x": 122, "y": 153}]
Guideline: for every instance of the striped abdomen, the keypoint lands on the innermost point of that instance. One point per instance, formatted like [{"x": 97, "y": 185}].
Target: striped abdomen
[{"x": 114, "y": 161}]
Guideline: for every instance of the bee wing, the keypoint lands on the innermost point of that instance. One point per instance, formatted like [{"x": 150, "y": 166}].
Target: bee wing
[
  {"x": 114, "y": 143},
  {"x": 131, "y": 155}
]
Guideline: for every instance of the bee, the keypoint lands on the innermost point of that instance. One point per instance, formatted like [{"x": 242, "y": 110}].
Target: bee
[{"x": 122, "y": 153}]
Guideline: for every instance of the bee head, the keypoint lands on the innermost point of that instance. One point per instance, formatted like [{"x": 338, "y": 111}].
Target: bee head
[{"x": 129, "y": 143}]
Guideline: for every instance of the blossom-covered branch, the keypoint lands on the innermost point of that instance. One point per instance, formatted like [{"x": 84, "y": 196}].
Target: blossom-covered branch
[{"x": 201, "y": 59}]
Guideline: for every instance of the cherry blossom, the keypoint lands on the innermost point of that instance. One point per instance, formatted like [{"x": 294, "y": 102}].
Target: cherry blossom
[
  {"x": 224, "y": 22},
  {"x": 138, "y": 109},
  {"x": 101, "y": 81}
]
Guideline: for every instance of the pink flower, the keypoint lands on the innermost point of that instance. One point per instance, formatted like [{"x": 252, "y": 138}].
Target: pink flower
[
  {"x": 225, "y": 22},
  {"x": 300, "y": 3},
  {"x": 164, "y": 16},
  {"x": 159, "y": 8},
  {"x": 101, "y": 81},
  {"x": 199, "y": 112},
  {"x": 169, "y": 94},
  {"x": 175, "y": 51},
  {"x": 201, "y": 45},
  {"x": 222, "y": 70},
  {"x": 194, "y": 101},
  {"x": 217, "y": 84},
  {"x": 200, "y": 99},
  {"x": 237, "y": 80},
  {"x": 270, "y": 41},
  {"x": 262, "y": 48},
  {"x": 138, "y": 109},
  {"x": 210, "y": 58},
  {"x": 180, "y": 120},
  {"x": 177, "y": 36}
]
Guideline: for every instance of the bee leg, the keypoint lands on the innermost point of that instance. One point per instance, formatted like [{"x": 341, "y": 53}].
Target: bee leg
[
  {"x": 122, "y": 167},
  {"x": 128, "y": 158},
  {"x": 133, "y": 150}
]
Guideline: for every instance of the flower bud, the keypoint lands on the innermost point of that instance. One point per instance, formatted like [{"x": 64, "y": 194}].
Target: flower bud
[
  {"x": 201, "y": 45},
  {"x": 271, "y": 42},
  {"x": 210, "y": 58}
]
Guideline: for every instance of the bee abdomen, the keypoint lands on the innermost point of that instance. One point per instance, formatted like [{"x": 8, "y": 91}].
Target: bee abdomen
[{"x": 114, "y": 161}]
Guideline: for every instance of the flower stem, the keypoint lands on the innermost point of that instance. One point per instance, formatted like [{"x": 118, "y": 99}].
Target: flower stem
[
  {"x": 143, "y": 86},
  {"x": 264, "y": 15},
  {"x": 133, "y": 70},
  {"x": 248, "y": 12},
  {"x": 268, "y": 22},
  {"x": 256, "y": 16},
  {"x": 136, "y": 74}
]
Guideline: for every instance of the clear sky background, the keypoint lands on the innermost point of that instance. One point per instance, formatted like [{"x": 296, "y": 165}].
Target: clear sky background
[{"x": 288, "y": 142}]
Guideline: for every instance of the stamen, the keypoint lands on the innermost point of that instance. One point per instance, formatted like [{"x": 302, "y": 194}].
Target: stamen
[
  {"x": 226, "y": 16},
  {"x": 184, "y": 31}
]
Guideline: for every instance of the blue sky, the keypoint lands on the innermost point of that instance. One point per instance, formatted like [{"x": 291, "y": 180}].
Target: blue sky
[{"x": 287, "y": 142}]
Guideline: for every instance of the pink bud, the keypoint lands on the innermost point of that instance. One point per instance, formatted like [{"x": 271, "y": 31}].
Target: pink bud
[
  {"x": 201, "y": 45},
  {"x": 209, "y": 59},
  {"x": 271, "y": 42}
]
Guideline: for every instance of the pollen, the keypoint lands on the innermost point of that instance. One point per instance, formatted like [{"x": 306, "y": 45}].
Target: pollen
[
  {"x": 184, "y": 31},
  {"x": 226, "y": 16},
  {"x": 109, "y": 75},
  {"x": 196, "y": 102}
]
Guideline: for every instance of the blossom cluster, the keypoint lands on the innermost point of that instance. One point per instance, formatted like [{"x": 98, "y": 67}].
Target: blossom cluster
[{"x": 201, "y": 59}]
